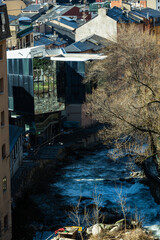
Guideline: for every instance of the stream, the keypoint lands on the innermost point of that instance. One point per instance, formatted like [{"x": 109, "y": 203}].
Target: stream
[{"x": 96, "y": 175}]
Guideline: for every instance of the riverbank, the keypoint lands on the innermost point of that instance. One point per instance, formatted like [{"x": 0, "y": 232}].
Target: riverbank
[
  {"x": 58, "y": 185},
  {"x": 101, "y": 231}
]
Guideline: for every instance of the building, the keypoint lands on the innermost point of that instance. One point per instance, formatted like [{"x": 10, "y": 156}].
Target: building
[
  {"x": 102, "y": 25},
  {"x": 32, "y": 91},
  {"x": 146, "y": 19},
  {"x": 70, "y": 69},
  {"x": 154, "y": 4},
  {"x": 14, "y": 7},
  {"x": 126, "y": 4},
  {"x": 91, "y": 44},
  {"x": 49, "y": 42},
  {"x": 5, "y": 199},
  {"x": 21, "y": 33}
]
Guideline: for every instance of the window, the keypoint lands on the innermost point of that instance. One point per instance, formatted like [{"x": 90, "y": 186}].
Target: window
[
  {"x": 5, "y": 222},
  {"x": 3, "y": 21},
  {"x": 0, "y": 229},
  {"x": 3, "y": 151},
  {"x": 31, "y": 37},
  {"x": 4, "y": 184},
  {"x": 2, "y": 119},
  {"x": 1, "y": 52},
  {"x": 1, "y": 85}
]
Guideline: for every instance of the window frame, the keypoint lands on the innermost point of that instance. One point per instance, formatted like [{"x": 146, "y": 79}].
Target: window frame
[
  {"x": 4, "y": 151},
  {"x": 6, "y": 222},
  {"x": 4, "y": 184},
  {"x": 2, "y": 119},
  {"x": 1, "y": 52},
  {"x": 1, "y": 85}
]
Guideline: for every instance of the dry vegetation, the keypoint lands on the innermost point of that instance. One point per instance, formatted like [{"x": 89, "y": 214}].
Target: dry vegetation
[
  {"x": 137, "y": 234},
  {"x": 128, "y": 92}
]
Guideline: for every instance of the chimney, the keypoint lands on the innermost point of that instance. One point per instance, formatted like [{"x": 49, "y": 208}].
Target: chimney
[{"x": 102, "y": 12}]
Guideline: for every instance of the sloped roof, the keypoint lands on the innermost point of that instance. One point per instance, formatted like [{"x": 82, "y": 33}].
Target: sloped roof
[
  {"x": 120, "y": 16},
  {"x": 12, "y": 18},
  {"x": 42, "y": 40},
  {"x": 148, "y": 12},
  {"x": 33, "y": 8},
  {"x": 62, "y": 30},
  {"x": 93, "y": 43},
  {"x": 68, "y": 22},
  {"x": 54, "y": 12},
  {"x": 75, "y": 11}
]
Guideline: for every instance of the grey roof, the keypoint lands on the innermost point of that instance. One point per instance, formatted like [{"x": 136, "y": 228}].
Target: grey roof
[
  {"x": 121, "y": 16},
  {"x": 94, "y": 43},
  {"x": 54, "y": 13},
  {"x": 43, "y": 40},
  {"x": 32, "y": 8},
  {"x": 148, "y": 11},
  {"x": 14, "y": 133},
  {"x": 68, "y": 21},
  {"x": 62, "y": 30},
  {"x": 33, "y": 16},
  {"x": 12, "y": 18}
]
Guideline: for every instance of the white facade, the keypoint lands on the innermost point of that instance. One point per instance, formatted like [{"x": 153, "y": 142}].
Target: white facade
[
  {"x": 102, "y": 25},
  {"x": 155, "y": 4}
]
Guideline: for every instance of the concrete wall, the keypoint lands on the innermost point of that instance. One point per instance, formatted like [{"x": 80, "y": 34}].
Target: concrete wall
[
  {"x": 102, "y": 25},
  {"x": 77, "y": 113},
  {"x": 73, "y": 113},
  {"x": 5, "y": 199},
  {"x": 116, "y": 3},
  {"x": 152, "y": 4}
]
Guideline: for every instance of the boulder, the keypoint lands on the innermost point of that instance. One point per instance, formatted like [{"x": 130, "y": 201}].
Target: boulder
[
  {"x": 89, "y": 230},
  {"x": 116, "y": 228},
  {"x": 120, "y": 223},
  {"x": 96, "y": 229},
  {"x": 109, "y": 226}
]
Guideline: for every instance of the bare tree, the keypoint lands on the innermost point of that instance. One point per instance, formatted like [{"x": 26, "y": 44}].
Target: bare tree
[{"x": 127, "y": 96}]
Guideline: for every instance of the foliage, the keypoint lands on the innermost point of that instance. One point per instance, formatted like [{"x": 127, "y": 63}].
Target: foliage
[{"x": 128, "y": 92}]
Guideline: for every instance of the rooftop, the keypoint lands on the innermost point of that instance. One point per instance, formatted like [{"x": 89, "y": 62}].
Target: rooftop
[
  {"x": 148, "y": 12},
  {"x": 81, "y": 57},
  {"x": 93, "y": 43},
  {"x": 12, "y": 18},
  {"x": 33, "y": 8}
]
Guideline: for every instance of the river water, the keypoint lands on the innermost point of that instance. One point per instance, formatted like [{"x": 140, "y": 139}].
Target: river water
[{"x": 96, "y": 174}]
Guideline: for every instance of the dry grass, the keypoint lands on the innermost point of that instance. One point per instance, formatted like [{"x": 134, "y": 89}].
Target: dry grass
[{"x": 137, "y": 234}]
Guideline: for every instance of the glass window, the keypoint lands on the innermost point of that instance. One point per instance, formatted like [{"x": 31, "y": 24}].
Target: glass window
[
  {"x": 0, "y": 229},
  {"x": 26, "y": 66},
  {"x": 10, "y": 66},
  {"x": 1, "y": 85},
  {"x": 3, "y": 151},
  {"x": 5, "y": 222},
  {"x": 1, "y": 52},
  {"x": 81, "y": 67},
  {"x": 20, "y": 66},
  {"x": 15, "y": 66},
  {"x": 30, "y": 67},
  {"x": 4, "y": 184},
  {"x": 2, "y": 119},
  {"x": 3, "y": 21}
]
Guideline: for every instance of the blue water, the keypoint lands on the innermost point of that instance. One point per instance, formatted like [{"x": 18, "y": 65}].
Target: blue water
[{"x": 98, "y": 175}]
